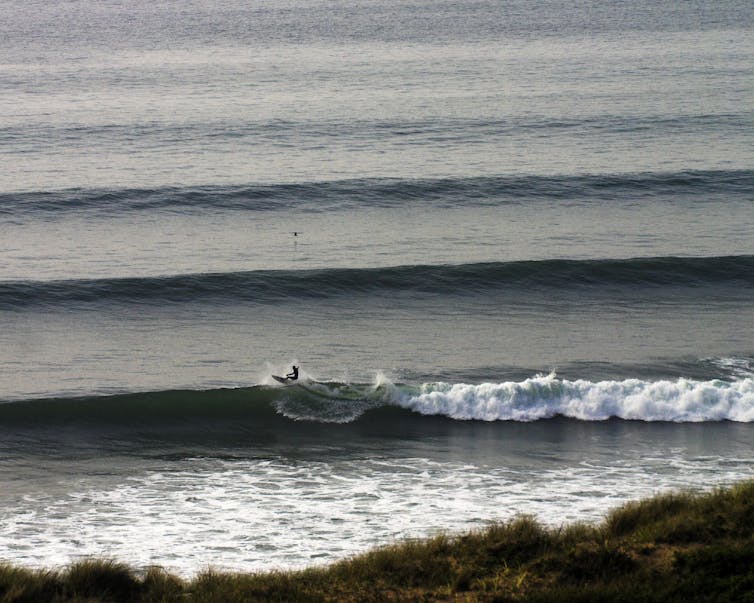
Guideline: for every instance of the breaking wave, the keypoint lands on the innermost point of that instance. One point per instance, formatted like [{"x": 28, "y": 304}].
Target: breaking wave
[
  {"x": 543, "y": 397},
  {"x": 262, "y": 408}
]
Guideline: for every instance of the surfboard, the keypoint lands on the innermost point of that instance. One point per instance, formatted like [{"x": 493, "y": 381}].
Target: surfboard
[{"x": 281, "y": 379}]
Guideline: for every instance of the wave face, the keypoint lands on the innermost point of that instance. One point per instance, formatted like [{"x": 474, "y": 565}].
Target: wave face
[
  {"x": 266, "y": 407},
  {"x": 384, "y": 192},
  {"x": 466, "y": 279}
]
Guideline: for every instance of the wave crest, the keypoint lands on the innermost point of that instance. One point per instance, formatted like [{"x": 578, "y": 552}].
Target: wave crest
[{"x": 546, "y": 396}]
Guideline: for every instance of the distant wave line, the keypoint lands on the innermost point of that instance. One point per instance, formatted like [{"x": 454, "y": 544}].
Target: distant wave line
[
  {"x": 385, "y": 192},
  {"x": 272, "y": 286},
  {"x": 277, "y": 131}
]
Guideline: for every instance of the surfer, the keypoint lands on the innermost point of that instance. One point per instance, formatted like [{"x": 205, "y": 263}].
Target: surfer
[{"x": 293, "y": 375}]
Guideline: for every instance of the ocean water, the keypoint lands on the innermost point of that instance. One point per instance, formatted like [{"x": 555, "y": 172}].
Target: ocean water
[{"x": 510, "y": 244}]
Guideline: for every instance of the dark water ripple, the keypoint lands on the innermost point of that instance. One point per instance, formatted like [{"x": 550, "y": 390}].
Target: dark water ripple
[{"x": 384, "y": 192}]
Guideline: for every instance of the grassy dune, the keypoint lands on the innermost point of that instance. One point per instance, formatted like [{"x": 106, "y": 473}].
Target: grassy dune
[{"x": 674, "y": 547}]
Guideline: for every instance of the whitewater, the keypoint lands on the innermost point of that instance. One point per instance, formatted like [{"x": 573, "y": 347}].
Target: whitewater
[
  {"x": 633, "y": 399},
  {"x": 509, "y": 245}
]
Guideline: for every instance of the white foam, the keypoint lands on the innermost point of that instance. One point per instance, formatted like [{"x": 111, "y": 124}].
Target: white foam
[
  {"x": 260, "y": 514},
  {"x": 544, "y": 396},
  {"x": 740, "y": 367}
]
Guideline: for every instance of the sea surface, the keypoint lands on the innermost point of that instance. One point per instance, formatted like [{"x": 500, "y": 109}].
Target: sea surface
[{"x": 509, "y": 243}]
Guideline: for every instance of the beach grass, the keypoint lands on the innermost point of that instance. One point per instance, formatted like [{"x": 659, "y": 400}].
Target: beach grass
[{"x": 672, "y": 547}]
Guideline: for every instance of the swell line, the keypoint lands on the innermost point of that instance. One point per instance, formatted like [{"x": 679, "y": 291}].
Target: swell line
[
  {"x": 272, "y": 286},
  {"x": 27, "y": 138},
  {"x": 383, "y": 192}
]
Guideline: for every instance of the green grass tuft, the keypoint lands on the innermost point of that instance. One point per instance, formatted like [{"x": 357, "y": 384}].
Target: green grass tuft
[
  {"x": 104, "y": 579},
  {"x": 20, "y": 585}
]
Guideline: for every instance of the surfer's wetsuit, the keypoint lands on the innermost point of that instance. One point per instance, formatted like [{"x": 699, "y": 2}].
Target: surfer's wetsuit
[{"x": 293, "y": 375}]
